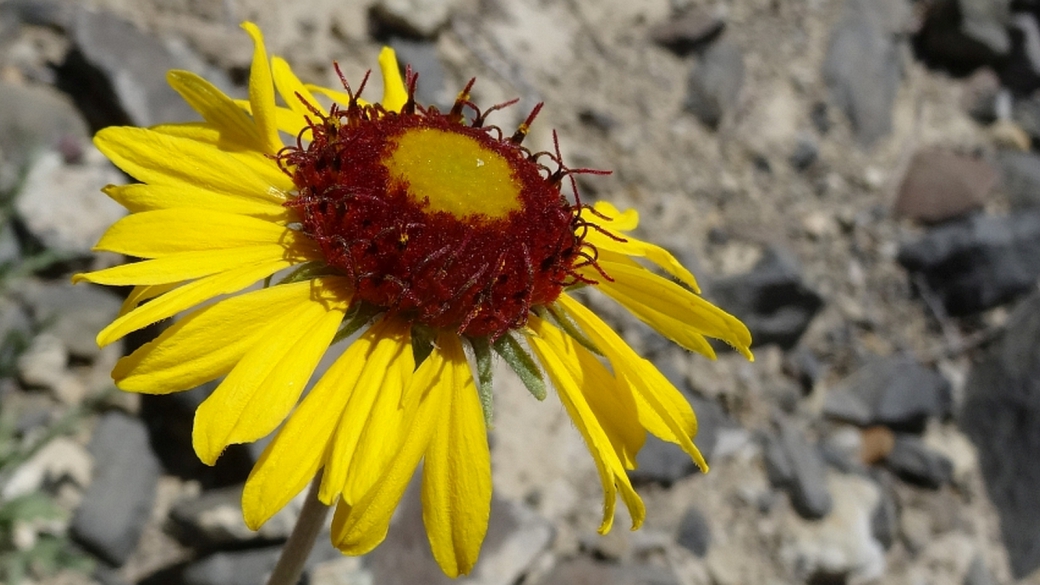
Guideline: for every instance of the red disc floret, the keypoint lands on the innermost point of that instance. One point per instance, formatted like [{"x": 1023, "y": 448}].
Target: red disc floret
[{"x": 476, "y": 274}]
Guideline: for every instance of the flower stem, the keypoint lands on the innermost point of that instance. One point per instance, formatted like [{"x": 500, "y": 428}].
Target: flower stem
[{"x": 301, "y": 541}]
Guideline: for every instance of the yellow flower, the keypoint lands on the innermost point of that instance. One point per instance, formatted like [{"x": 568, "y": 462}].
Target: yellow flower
[{"x": 439, "y": 239}]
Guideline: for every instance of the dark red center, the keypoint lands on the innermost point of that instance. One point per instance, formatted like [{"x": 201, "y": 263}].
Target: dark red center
[{"x": 476, "y": 274}]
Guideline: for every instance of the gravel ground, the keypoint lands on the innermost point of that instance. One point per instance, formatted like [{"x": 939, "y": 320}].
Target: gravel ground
[{"x": 856, "y": 179}]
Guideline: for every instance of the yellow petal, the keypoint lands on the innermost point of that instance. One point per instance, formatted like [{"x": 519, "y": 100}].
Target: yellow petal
[
  {"x": 297, "y": 451},
  {"x": 266, "y": 168},
  {"x": 164, "y": 159},
  {"x": 359, "y": 528},
  {"x": 456, "y": 486},
  {"x": 340, "y": 97},
  {"x": 262, "y": 388},
  {"x": 662, "y": 409},
  {"x": 139, "y": 197},
  {"x": 292, "y": 89},
  {"x": 187, "y": 296},
  {"x": 255, "y": 160},
  {"x": 611, "y": 403},
  {"x": 381, "y": 351},
  {"x": 143, "y": 293},
  {"x": 288, "y": 121},
  {"x": 261, "y": 92},
  {"x": 676, "y": 330},
  {"x": 395, "y": 95},
  {"x": 385, "y": 429},
  {"x": 192, "y": 265},
  {"x": 626, "y": 245},
  {"x": 216, "y": 108},
  {"x": 559, "y": 355},
  {"x": 612, "y": 218},
  {"x": 638, "y": 289},
  {"x": 148, "y": 234},
  {"x": 208, "y": 342}
]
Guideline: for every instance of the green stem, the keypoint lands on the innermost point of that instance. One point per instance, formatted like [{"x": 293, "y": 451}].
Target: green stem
[{"x": 301, "y": 541}]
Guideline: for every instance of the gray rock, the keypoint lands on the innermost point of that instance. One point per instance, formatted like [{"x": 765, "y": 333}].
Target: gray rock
[
  {"x": 61, "y": 204},
  {"x": 661, "y": 463},
  {"x": 214, "y": 520},
  {"x": 118, "y": 503},
  {"x": 945, "y": 40},
  {"x": 585, "y": 571},
  {"x": 978, "y": 262},
  {"x": 915, "y": 463},
  {"x": 694, "y": 532},
  {"x": 59, "y": 459},
  {"x": 419, "y": 18},
  {"x": 516, "y": 537},
  {"x": 895, "y": 391},
  {"x": 839, "y": 548},
  {"x": 1026, "y": 113},
  {"x": 422, "y": 57},
  {"x": 114, "y": 57},
  {"x": 884, "y": 524},
  {"x": 863, "y": 70},
  {"x": 33, "y": 119},
  {"x": 794, "y": 465},
  {"x": 43, "y": 363},
  {"x": 715, "y": 82},
  {"x": 10, "y": 247},
  {"x": 805, "y": 153},
  {"x": 980, "y": 95},
  {"x": 39, "y": 12},
  {"x": 15, "y": 330},
  {"x": 171, "y": 417},
  {"x": 987, "y": 21},
  {"x": 249, "y": 567},
  {"x": 108, "y": 576},
  {"x": 711, "y": 419},
  {"x": 73, "y": 313},
  {"x": 801, "y": 364},
  {"x": 1001, "y": 415},
  {"x": 233, "y": 568},
  {"x": 842, "y": 449},
  {"x": 772, "y": 300},
  {"x": 1021, "y": 178},
  {"x": 940, "y": 185},
  {"x": 343, "y": 570},
  {"x": 820, "y": 118},
  {"x": 978, "y": 573},
  {"x": 689, "y": 31},
  {"x": 665, "y": 463}
]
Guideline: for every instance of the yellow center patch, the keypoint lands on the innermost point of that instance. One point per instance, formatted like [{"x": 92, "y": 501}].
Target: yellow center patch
[{"x": 454, "y": 172}]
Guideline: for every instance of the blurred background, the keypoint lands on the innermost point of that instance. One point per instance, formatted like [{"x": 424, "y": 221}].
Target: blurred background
[{"x": 856, "y": 179}]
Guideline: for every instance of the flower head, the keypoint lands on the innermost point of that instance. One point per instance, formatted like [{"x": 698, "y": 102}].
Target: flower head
[{"x": 434, "y": 237}]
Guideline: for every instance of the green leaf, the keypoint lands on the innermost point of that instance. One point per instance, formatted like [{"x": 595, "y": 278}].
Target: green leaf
[
  {"x": 29, "y": 507},
  {"x": 13, "y": 567},
  {"x": 522, "y": 363},
  {"x": 485, "y": 375}
]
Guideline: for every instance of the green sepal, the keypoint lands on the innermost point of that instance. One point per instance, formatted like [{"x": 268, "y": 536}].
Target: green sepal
[
  {"x": 522, "y": 363},
  {"x": 357, "y": 317},
  {"x": 306, "y": 271},
  {"x": 484, "y": 379},
  {"x": 571, "y": 328}
]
